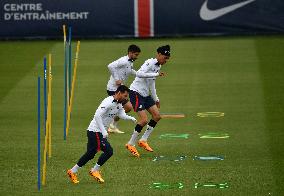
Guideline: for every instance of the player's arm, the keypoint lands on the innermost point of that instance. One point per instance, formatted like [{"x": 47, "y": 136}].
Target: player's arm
[
  {"x": 154, "y": 93},
  {"x": 99, "y": 120},
  {"x": 143, "y": 71},
  {"x": 124, "y": 116},
  {"x": 133, "y": 72},
  {"x": 113, "y": 69}
]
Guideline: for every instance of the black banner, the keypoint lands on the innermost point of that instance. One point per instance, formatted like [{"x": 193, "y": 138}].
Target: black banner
[{"x": 139, "y": 18}]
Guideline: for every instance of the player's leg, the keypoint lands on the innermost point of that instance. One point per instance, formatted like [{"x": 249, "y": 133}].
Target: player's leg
[
  {"x": 142, "y": 121},
  {"x": 154, "y": 111},
  {"x": 127, "y": 106},
  {"x": 156, "y": 117},
  {"x": 137, "y": 102},
  {"x": 114, "y": 125},
  {"x": 107, "y": 153},
  {"x": 92, "y": 148}
]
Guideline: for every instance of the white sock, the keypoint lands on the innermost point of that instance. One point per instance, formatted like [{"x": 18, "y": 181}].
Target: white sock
[
  {"x": 96, "y": 168},
  {"x": 147, "y": 133},
  {"x": 133, "y": 138},
  {"x": 75, "y": 168}
]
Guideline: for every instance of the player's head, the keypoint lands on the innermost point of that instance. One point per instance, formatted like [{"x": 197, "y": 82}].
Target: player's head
[
  {"x": 121, "y": 93},
  {"x": 133, "y": 52},
  {"x": 163, "y": 54}
]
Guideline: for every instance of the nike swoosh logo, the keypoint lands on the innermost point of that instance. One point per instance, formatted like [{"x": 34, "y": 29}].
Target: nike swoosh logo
[{"x": 207, "y": 14}]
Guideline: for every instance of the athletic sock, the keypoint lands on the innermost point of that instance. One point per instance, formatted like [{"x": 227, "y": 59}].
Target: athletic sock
[
  {"x": 147, "y": 133},
  {"x": 150, "y": 127},
  {"x": 96, "y": 168},
  {"x": 133, "y": 138},
  {"x": 136, "y": 132},
  {"x": 75, "y": 168}
]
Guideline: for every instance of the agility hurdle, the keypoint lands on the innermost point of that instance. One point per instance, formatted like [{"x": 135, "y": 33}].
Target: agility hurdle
[{"x": 172, "y": 115}]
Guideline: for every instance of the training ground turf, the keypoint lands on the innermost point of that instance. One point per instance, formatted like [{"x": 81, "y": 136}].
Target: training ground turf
[{"x": 242, "y": 77}]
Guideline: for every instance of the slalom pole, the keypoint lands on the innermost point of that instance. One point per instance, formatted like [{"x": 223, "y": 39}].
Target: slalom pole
[
  {"x": 44, "y": 157},
  {"x": 64, "y": 35},
  {"x": 73, "y": 85},
  {"x": 49, "y": 104},
  {"x": 44, "y": 91},
  {"x": 65, "y": 83},
  {"x": 38, "y": 133},
  {"x": 70, "y": 65}
]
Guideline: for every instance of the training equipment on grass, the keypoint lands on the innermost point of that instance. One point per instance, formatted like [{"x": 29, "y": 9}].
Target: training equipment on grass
[
  {"x": 170, "y": 158},
  {"x": 209, "y": 158},
  {"x": 47, "y": 140},
  {"x": 172, "y": 115},
  {"x": 69, "y": 64},
  {"x": 38, "y": 133},
  {"x": 44, "y": 92},
  {"x": 210, "y": 114},
  {"x": 47, "y": 78},
  {"x": 174, "y": 135},
  {"x": 213, "y": 135},
  {"x": 49, "y": 103},
  {"x": 65, "y": 81},
  {"x": 161, "y": 185},
  {"x": 68, "y": 89},
  {"x": 211, "y": 185},
  {"x": 73, "y": 84}
]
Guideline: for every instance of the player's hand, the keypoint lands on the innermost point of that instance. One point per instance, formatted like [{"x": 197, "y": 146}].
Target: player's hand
[
  {"x": 134, "y": 120},
  {"x": 162, "y": 74},
  {"x": 105, "y": 135},
  {"x": 158, "y": 104},
  {"x": 118, "y": 82}
]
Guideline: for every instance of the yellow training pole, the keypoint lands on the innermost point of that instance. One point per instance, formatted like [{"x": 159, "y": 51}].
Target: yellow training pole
[
  {"x": 47, "y": 142},
  {"x": 49, "y": 104},
  {"x": 64, "y": 34},
  {"x": 45, "y": 154},
  {"x": 73, "y": 85}
]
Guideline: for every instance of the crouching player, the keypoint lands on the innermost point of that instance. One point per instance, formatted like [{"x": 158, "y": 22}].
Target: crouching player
[{"x": 97, "y": 133}]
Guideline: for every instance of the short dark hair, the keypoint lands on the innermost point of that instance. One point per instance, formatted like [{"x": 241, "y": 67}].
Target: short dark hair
[
  {"x": 133, "y": 48},
  {"x": 164, "y": 50},
  {"x": 122, "y": 89}
]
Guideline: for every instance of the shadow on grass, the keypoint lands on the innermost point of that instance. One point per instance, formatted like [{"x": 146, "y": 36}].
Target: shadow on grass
[{"x": 17, "y": 59}]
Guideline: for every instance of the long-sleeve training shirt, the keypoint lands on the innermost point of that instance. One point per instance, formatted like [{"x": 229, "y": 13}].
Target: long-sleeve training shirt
[
  {"x": 120, "y": 69},
  {"x": 145, "y": 79},
  {"x": 107, "y": 110}
]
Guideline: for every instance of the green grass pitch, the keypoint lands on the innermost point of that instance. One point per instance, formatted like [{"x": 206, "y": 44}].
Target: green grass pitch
[{"x": 242, "y": 77}]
